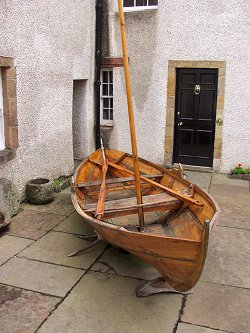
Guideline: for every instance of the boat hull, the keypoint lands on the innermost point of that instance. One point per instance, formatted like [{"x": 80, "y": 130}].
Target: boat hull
[{"x": 179, "y": 260}]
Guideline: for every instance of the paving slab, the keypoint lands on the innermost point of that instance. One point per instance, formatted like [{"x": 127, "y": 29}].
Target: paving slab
[
  {"x": 42, "y": 277},
  {"x": 199, "y": 178},
  {"x": 218, "y": 307},
  {"x": 9, "y": 246},
  {"x": 67, "y": 190},
  {"x": 228, "y": 258},
  {"x": 117, "y": 261},
  {"x": 233, "y": 202},
  {"x": 64, "y": 196},
  {"x": 188, "y": 328},
  {"x": 55, "y": 247},
  {"x": 75, "y": 224},
  {"x": 23, "y": 311},
  {"x": 32, "y": 224},
  {"x": 60, "y": 206},
  {"x": 106, "y": 303},
  {"x": 223, "y": 179}
]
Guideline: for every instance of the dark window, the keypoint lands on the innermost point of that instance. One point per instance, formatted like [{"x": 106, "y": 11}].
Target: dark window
[{"x": 140, "y": 3}]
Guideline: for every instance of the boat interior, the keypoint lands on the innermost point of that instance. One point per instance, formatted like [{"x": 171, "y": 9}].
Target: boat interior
[{"x": 169, "y": 205}]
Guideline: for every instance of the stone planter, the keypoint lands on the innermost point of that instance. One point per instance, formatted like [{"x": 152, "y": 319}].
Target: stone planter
[
  {"x": 40, "y": 191},
  {"x": 4, "y": 220},
  {"x": 243, "y": 176}
]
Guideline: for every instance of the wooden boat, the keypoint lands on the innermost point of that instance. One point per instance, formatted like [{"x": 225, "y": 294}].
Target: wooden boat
[
  {"x": 176, "y": 227},
  {"x": 152, "y": 212}
]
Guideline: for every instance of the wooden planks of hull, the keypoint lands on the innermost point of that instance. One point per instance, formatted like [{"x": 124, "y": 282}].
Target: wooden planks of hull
[{"x": 176, "y": 232}]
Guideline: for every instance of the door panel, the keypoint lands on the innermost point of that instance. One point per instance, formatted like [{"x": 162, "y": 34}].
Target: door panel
[
  {"x": 206, "y": 106},
  {"x": 187, "y": 104},
  {"x": 195, "y": 111}
]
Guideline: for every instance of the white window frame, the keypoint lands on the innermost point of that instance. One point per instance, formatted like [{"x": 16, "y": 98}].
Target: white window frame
[
  {"x": 109, "y": 96},
  {"x": 136, "y": 8},
  {"x": 2, "y": 139}
]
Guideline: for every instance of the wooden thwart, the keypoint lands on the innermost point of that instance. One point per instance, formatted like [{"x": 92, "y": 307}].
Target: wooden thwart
[
  {"x": 115, "y": 181},
  {"x": 154, "y": 202},
  {"x": 162, "y": 187}
]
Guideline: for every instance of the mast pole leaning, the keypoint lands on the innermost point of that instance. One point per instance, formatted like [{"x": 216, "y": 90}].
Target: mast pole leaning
[{"x": 131, "y": 118}]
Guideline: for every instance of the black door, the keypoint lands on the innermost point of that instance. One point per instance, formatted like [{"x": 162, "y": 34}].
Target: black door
[{"x": 195, "y": 111}]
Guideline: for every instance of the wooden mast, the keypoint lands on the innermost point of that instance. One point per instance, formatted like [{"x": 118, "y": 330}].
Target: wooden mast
[{"x": 131, "y": 118}]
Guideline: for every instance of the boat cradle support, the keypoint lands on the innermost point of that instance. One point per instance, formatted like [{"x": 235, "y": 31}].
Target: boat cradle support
[
  {"x": 157, "y": 286},
  {"x": 98, "y": 240}
]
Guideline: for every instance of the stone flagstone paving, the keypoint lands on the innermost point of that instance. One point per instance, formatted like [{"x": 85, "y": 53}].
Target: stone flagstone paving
[
  {"x": 23, "y": 311},
  {"x": 43, "y": 290}
]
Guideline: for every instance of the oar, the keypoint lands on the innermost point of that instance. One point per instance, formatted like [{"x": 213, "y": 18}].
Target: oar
[
  {"x": 131, "y": 118},
  {"x": 102, "y": 194}
]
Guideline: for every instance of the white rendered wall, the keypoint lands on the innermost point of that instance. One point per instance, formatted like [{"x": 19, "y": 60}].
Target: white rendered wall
[
  {"x": 183, "y": 30},
  {"x": 52, "y": 43},
  {"x": 2, "y": 141}
]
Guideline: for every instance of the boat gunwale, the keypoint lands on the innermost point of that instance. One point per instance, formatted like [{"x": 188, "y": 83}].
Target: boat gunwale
[{"x": 212, "y": 223}]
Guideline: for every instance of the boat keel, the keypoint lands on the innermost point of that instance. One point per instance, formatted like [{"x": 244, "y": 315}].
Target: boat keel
[{"x": 157, "y": 286}]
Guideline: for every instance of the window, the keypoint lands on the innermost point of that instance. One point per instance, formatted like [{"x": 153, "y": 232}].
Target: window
[
  {"x": 107, "y": 97},
  {"x": 2, "y": 141},
  {"x": 140, "y": 4}
]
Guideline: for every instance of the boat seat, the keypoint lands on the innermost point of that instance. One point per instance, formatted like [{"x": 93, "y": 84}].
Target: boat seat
[
  {"x": 115, "y": 180},
  {"x": 120, "y": 207}
]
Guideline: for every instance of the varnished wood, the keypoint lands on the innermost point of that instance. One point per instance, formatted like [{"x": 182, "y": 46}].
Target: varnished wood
[
  {"x": 121, "y": 158},
  {"x": 131, "y": 117},
  {"x": 162, "y": 187},
  {"x": 114, "y": 180},
  {"x": 102, "y": 194},
  {"x": 151, "y": 202},
  {"x": 176, "y": 242},
  {"x": 119, "y": 188}
]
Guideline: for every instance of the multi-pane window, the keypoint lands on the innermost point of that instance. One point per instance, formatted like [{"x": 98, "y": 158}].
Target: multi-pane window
[
  {"x": 2, "y": 141},
  {"x": 140, "y": 3},
  {"x": 106, "y": 97}
]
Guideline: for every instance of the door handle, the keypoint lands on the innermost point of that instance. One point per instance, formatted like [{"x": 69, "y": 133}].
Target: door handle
[
  {"x": 180, "y": 123},
  {"x": 197, "y": 89}
]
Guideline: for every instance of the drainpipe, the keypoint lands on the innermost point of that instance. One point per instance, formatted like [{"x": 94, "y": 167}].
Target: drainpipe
[{"x": 98, "y": 57}]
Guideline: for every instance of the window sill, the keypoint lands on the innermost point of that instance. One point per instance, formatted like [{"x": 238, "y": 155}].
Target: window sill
[
  {"x": 108, "y": 124},
  {"x": 7, "y": 155},
  {"x": 139, "y": 9}
]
